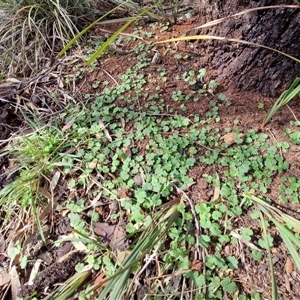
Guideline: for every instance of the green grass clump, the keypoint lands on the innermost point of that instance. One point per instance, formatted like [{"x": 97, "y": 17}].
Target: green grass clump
[{"x": 284, "y": 99}]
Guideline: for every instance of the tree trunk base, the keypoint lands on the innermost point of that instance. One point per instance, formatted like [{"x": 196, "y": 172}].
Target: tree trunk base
[{"x": 251, "y": 68}]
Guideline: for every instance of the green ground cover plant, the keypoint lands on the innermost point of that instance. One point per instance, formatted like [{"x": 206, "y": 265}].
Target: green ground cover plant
[
  {"x": 153, "y": 172},
  {"x": 119, "y": 143}
]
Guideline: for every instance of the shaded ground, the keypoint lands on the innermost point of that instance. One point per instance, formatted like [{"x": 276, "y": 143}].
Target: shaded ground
[{"x": 251, "y": 276}]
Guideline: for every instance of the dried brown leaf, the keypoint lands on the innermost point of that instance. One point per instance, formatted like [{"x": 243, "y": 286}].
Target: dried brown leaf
[
  {"x": 127, "y": 151},
  {"x": 216, "y": 195},
  {"x": 15, "y": 283},
  {"x": 138, "y": 180},
  {"x": 68, "y": 125},
  {"x": 229, "y": 138},
  {"x": 93, "y": 164},
  {"x": 289, "y": 266},
  {"x": 103, "y": 127},
  {"x": 54, "y": 180},
  {"x": 121, "y": 256},
  {"x": 197, "y": 265},
  {"x": 78, "y": 245},
  {"x": 60, "y": 82},
  {"x": 4, "y": 278},
  {"x": 34, "y": 271},
  {"x": 122, "y": 120},
  {"x": 114, "y": 234},
  {"x": 100, "y": 278}
]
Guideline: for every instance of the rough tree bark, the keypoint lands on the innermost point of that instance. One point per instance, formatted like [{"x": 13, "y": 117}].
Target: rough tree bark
[{"x": 245, "y": 67}]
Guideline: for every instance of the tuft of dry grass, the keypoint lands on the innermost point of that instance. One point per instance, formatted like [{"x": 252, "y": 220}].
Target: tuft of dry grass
[{"x": 32, "y": 31}]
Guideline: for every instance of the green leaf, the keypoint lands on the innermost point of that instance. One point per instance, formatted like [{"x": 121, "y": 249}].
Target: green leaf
[
  {"x": 260, "y": 105},
  {"x": 233, "y": 262},
  {"x": 222, "y": 97},
  {"x": 181, "y": 208},
  {"x": 247, "y": 234},
  {"x": 204, "y": 240},
  {"x": 140, "y": 195},
  {"x": 228, "y": 285},
  {"x": 201, "y": 73},
  {"x": 79, "y": 267},
  {"x": 254, "y": 215},
  {"x": 215, "y": 261},
  {"x": 14, "y": 251},
  {"x": 225, "y": 191},
  {"x": 216, "y": 215},
  {"x": 184, "y": 263},
  {"x": 199, "y": 280},
  {"x": 263, "y": 243},
  {"x": 295, "y": 137},
  {"x": 215, "y": 229},
  {"x": 24, "y": 261},
  {"x": 255, "y": 296}
]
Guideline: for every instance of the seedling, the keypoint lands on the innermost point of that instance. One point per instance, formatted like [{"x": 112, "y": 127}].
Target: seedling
[
  {"x": 178, "y": 96},
  {"x": 261, "y": 105},
  {"x": 191, "y": 77}
]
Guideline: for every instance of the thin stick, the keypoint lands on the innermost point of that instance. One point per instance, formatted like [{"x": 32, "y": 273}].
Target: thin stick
[
  {"x": 110, "y": 77},
  {"x": 293, "y": 114}
]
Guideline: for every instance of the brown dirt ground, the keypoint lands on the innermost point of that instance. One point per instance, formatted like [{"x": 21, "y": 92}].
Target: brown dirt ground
[{"x": 251, "y": 276}]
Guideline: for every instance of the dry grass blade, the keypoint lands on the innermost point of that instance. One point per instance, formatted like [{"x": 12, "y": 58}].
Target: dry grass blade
[
  {"x": 74, "y": 283},
  {"x": 29, "y": 29},
  {"x": 213, "y": 37},
  {"x": 218, "y": 21},
  {"x": 15, "y": 283}
]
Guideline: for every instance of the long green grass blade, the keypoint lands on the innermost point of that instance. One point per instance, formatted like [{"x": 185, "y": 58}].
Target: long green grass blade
[
  {"x": 274, "y": 212},
  {"x": 123, "y": 273},
  {"x": 70, "y": 286},
  {"x": 286, "y": 234},
  {"x": 37, "y": 220},
  {"x": 115, "y": 34},
  {"x": 273, "y": 279},
  {"x": 287, "y": 238},
  {"x": 284, "y": 99},
  {"x": 79, "y": 35},
  {"x": 111, "y": 39},
  {"x": 149, "y": 238}
]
